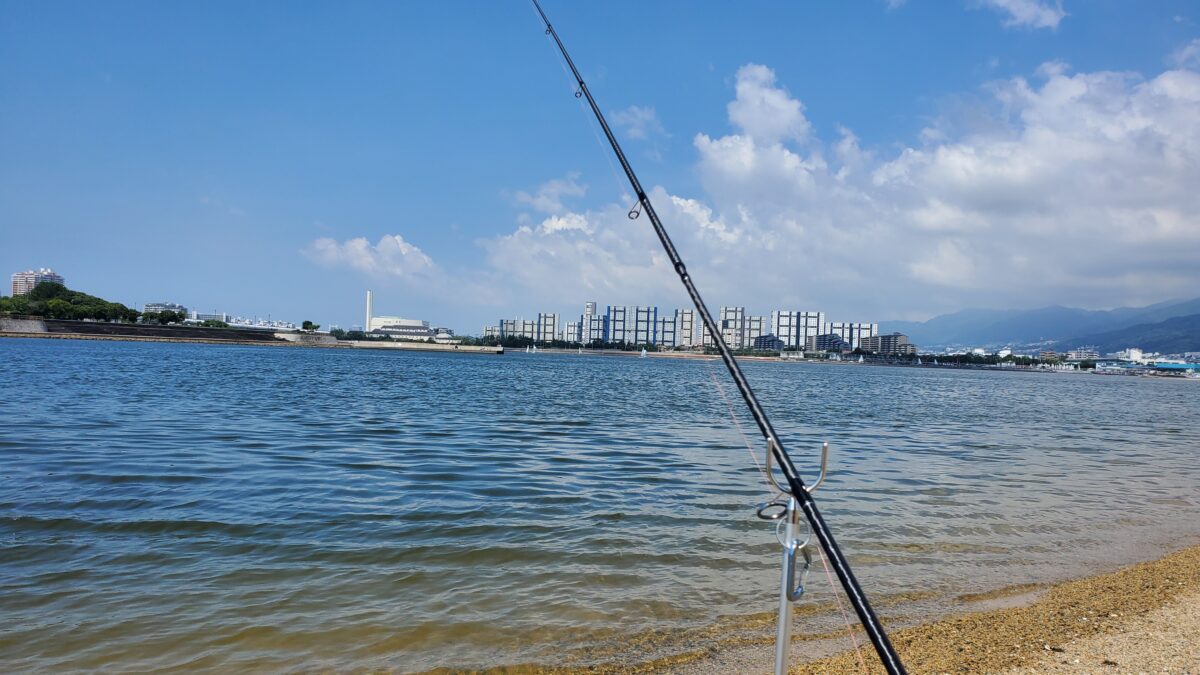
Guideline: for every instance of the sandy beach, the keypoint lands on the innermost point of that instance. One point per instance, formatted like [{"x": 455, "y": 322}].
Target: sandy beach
[{"x": 1140, "y": 619}]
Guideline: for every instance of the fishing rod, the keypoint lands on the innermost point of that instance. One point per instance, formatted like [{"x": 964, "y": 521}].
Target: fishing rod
[{"x": 799, "y": 494}]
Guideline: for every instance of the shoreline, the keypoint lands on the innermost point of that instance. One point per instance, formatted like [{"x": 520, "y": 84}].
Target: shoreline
[
  {"x": 474, "y": 349},
  {"x": 1137, "y": 618},
  {"x": 345, "y": 344}
]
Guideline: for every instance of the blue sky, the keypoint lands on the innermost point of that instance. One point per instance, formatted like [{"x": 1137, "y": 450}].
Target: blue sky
[{"x": 873, "y": 160}]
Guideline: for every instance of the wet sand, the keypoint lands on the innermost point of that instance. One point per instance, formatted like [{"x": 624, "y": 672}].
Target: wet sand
[{"x": 1142, "y": 618}]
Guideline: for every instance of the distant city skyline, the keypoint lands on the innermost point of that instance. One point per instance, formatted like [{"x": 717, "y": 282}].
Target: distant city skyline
[{"x": 897, "y": 160}]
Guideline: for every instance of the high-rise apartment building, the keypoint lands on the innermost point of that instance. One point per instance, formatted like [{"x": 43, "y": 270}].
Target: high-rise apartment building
[
  {"x": 642, "y": 322},
  {"x": 546, "y": 328},
  {"x": 572, "y": 332},
  {"x": 852, "y": 333},
  {"x": 23, "y": 282},
  {"x": 685, "y": 327},
  {"x": 794, "y": 328},
  {"x": 594, "y": 328},
  {"x": 733, "y": 326},
  {"x": 756, "y": 326},
  {"x": 619, "y": 329},
  {"x": 664, "y": 331}
]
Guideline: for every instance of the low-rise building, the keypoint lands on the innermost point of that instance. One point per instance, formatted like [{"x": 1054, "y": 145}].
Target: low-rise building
[
  {"x": 768, "y": 342},
  {"x": 827, "y": 342},
  {"x": 894, "y": 344},
  {"x": 160, "y": 307}
]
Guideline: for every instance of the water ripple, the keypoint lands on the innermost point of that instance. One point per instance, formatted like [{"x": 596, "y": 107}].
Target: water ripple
[{"x": 238, "y": 508}]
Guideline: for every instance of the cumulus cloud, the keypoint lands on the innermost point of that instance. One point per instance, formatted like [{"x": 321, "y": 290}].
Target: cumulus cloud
[
  {"x": 1187, "y": 56},
  {"x": 1078, "y": 188},
  {"x": 1028, "y": 13},
  {"x": 549, "y": 196},
  {"x": 640, "y": 123},
  {"x": 1061, "y": 187},
  {"x": 390, "y": 257},
  {"x": 764, "y": 112}
]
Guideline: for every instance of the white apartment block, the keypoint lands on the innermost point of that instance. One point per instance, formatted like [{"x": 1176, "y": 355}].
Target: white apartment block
[
  {"x": 619, "y": 329},
  {"x": 664, "y": 331},
  {"x": 491, "y": 332},
  {"x": 572, "y": 333},
  {"x": 733, "y": 326},
  {"x": 642, "y": 323},
  {"x": 527, "y": 329},
  {"x": 852, "y": 333},
  {"x": 685, "y": 327},
  {"x": 794, "y": 328},
  {"x": 594, "y": 328},
  {"x": 546, "y": 328},
  {"x": 518, "y": 328},
  {"x": 755, "y": 327},
  {"x": 23, "y": 282}
]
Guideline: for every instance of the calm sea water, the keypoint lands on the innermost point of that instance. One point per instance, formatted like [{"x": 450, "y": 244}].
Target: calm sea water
[{"x": 264, "y": 508}]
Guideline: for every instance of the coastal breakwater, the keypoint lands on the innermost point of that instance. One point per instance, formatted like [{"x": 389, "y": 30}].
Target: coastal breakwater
[{"x": 34, "y": 327}]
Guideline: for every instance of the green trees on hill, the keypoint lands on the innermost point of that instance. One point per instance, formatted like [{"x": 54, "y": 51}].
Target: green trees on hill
[
  {"x": 55, "y": 301},
  {"x": 163, "y": 318}
]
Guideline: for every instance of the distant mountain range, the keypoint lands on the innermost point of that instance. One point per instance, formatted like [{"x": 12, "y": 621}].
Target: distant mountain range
[{"x": 1063, "y": 326}]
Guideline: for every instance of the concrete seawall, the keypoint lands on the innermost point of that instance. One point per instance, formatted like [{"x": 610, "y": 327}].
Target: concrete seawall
[
  {"x": 12, "y": 325},
  {"x": 423, "y": 347}
]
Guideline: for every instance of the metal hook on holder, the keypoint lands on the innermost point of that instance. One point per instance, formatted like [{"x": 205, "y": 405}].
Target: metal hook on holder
[
  {"x": 786, "y": 510},
  {"x": 808, "y": 488}
]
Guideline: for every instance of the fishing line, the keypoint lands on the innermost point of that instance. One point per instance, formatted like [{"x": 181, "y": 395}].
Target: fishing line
[
  {"x": 762, "y": 472},
  {"x": 573, "y": 88},
  {"x": 846, "y": 619},
  {"x": 770, "y": 494}
]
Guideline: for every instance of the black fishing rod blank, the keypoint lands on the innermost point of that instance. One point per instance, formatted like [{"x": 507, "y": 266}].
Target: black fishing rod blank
[{"x": 797, "y": 490}]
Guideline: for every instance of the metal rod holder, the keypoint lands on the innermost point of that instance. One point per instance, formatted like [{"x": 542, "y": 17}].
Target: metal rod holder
[{"x": 786, "y": 510}]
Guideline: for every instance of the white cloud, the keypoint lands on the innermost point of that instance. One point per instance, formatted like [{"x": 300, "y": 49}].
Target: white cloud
[
  {"x": 763, "y": 111},
  {"x": 1029, "y": 13},
  {"x": 1064, "y": 187},
  {"x": 1078, "y": 188},
  {"x": 640, "y": 123},
  {"x": 391, "y": 257},
  {"x": 1187, "y": 56},
  {"x": 549, "y": 196}
]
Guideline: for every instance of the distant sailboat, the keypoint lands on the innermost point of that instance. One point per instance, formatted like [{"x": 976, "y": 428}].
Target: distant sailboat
[
  {"x": 860, "y": 358},
  {"x": 643, "y": 352},
  {"x": 918, "y": 360}
]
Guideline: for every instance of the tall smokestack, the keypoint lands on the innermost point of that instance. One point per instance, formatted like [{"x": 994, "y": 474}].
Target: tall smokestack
[{"x": 367, "y": 325}]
